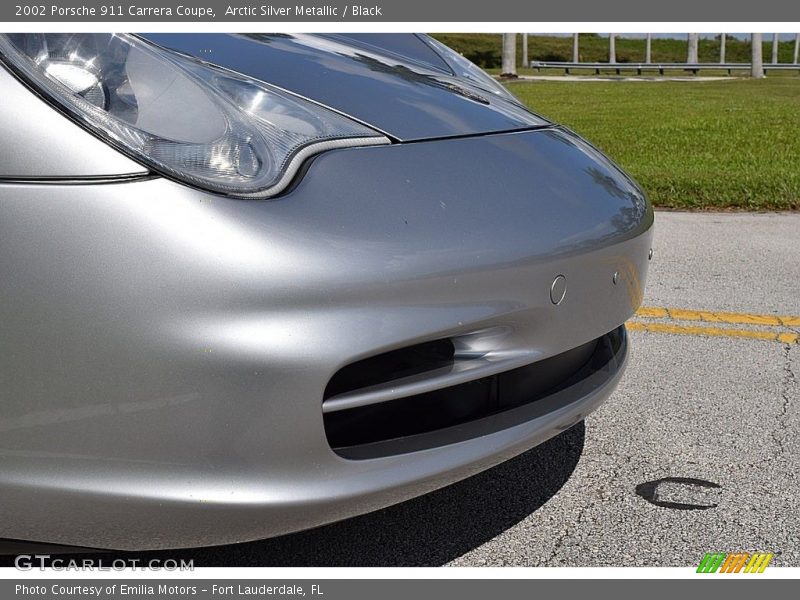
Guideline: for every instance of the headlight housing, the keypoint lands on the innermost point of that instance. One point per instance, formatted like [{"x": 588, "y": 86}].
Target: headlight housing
[{"x": 186, "y": 119}]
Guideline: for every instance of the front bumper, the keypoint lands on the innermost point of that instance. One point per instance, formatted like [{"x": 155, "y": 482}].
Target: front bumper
[{"x": 166, "y": 352}]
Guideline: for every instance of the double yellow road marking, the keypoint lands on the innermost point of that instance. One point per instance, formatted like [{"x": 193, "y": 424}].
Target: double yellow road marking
[
  {"x": 666, "y": 320},
  {"x": 680, "y": 314}
]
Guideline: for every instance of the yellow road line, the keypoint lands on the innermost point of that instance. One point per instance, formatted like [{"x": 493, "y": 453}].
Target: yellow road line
[
  {"x": 653, "y": 312},
  {"x": 784, "y": 338},
  {"x": 680, "y": 314}
]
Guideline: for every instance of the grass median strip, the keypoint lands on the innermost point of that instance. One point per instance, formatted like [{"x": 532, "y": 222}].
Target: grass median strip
[
  {"x": 691, "y": 145},
  {"x": 664, "y": 320}
]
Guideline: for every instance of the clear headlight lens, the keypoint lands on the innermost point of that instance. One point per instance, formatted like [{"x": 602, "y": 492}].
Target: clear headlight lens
[{"x": 189, "y": 120}]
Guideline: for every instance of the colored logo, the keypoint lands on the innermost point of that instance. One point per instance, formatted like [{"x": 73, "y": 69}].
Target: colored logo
[{"x": 739, "y": 562}]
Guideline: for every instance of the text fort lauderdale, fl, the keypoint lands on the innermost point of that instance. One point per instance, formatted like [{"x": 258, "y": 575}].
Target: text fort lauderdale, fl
[
  {"x": 145, "y": 589},
  {"x": 327, "y": 10}
]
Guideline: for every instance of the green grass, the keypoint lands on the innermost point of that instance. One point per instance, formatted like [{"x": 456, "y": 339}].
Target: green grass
[
  {"x": 697, "y": 145},
  {"x": 484, "y": 49},
  {"x": 653, "y": 72}
]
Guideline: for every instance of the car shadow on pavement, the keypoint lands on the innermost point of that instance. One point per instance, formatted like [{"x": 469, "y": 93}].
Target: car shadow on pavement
[{"x": 426, "y": 531}]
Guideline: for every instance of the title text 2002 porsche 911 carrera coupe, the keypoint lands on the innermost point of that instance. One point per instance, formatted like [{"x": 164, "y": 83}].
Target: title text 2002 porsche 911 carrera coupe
[{"x": 252, "y": 284}]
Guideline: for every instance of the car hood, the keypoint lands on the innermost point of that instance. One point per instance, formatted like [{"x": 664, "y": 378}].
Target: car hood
[{"x": 396, "y": 83}]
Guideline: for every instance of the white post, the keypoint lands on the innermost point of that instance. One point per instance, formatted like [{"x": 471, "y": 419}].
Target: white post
[
  {"x": 774, "y": 48},
  {"x": 509, "y": 55},
  {"x": 757, "y": 61},
  {"x": 722, "y": 39},
  {"x": 612, "y": 48},
  {"x": 576, "y": 57},
  {"x": 691, "y": 52},
  {"x": 648, "y": 55},
  {"x": 525, "y": 50},
  {"x": 796, "y": 47}
]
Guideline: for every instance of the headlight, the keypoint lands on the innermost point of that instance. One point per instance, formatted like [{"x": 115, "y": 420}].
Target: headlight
[{"x": 186, "y": 119}]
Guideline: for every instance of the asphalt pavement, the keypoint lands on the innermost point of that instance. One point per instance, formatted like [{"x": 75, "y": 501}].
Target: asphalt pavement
[{"x": 697, "y": 451}]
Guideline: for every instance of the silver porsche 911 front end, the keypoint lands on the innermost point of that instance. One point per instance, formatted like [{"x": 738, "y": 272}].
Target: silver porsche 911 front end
[{"x": 252, "y": 284}]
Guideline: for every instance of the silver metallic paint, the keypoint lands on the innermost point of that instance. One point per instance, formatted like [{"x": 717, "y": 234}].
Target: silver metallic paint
[
  {"x": 38, "y": 142},
  {"x": 163, "y": 351},
  {"x": 403, "y": 98}
]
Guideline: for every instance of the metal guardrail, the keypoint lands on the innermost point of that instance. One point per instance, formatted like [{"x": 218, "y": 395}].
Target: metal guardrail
[{"x": 693, "y": 68}]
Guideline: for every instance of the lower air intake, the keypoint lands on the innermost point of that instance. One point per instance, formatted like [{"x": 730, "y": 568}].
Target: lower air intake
[{"x": 363, "y": 431}]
